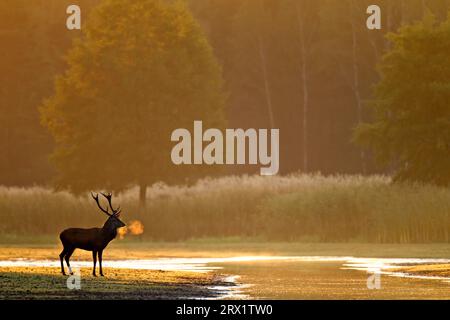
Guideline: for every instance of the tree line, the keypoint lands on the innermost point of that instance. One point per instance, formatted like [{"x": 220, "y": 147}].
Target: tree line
[{"x": 306, "y": 67}]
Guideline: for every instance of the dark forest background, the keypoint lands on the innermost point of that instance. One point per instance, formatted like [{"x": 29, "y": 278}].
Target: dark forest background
[{"x": 306, "y": 67}]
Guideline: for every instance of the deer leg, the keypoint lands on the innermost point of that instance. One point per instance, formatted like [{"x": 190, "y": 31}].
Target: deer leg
[
  {"x": 67, "y": 258},
  {"x": 94, "y": 257},
  {"x": 61, "y": 258},
  {"x": 100, "y": 258}
]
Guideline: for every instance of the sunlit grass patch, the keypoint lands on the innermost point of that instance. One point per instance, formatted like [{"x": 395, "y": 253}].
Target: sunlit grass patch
[{"x": 48, "y": 283}]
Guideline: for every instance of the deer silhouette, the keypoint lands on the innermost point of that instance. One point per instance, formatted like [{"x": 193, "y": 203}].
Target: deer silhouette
[{"x": 94, "y": 239}]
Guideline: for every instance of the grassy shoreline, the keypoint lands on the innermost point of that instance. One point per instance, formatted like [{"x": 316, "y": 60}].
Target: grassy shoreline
[
  {"x": 223, "y": 248},
  {"x": 427, "y": 270},
  {"x": 19, "y": 283}
]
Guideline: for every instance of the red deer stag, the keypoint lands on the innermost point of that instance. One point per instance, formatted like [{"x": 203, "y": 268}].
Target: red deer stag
[{"x": 94, "y": 239}]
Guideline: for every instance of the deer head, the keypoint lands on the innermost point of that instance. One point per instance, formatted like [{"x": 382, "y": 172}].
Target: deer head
[{"x": 113, "y": 221}]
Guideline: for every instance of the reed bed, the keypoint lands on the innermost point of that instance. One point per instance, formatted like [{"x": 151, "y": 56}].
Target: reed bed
[{"x": 282, "y": 208}]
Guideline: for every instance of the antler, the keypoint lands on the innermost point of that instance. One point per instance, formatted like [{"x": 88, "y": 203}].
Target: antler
[
  {"x": 98, "y": 204},
  {"x": 117, "y": 211}
]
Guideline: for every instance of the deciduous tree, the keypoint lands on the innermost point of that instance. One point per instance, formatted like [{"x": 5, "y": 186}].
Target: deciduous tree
[
  {"x": 411, "y": 129},
  {"x": 140, "y": 70}
]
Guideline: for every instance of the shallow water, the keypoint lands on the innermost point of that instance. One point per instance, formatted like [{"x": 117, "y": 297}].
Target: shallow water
[
  {"x": 292, "y": 277},
  {"x": 337, "y": 278}
]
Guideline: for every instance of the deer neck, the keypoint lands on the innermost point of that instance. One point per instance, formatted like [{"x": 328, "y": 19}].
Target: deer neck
[{"x": 109, "y": 231}]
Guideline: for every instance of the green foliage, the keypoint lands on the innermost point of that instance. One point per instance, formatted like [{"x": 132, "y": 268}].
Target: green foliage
[
  {"x": 294, "y": 208},
  {"x": 140, "y": 70},
  {"x": 411, "y": 129}
]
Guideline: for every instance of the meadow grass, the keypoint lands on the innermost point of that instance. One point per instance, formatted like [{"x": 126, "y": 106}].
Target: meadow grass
[{"x": 311, "y": 208}]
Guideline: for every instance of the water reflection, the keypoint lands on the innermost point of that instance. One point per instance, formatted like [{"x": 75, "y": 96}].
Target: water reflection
[{"x": 285, "y": 276}]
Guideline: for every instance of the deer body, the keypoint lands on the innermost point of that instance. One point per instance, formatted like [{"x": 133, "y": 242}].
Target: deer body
[{"x": 93, "y": 239}]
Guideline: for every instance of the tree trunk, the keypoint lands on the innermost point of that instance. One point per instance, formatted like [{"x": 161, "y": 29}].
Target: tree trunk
[
  {"x": 142, "y": 196},
  {"x": 356, "y": 89},
  {"x": 387, "y": 42},
  {"x": 267, "y": 92},
  {"x": 373, "y": 43},
  {"x": 402, "y": 13},
  {"x": 304, "y": 76}
]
